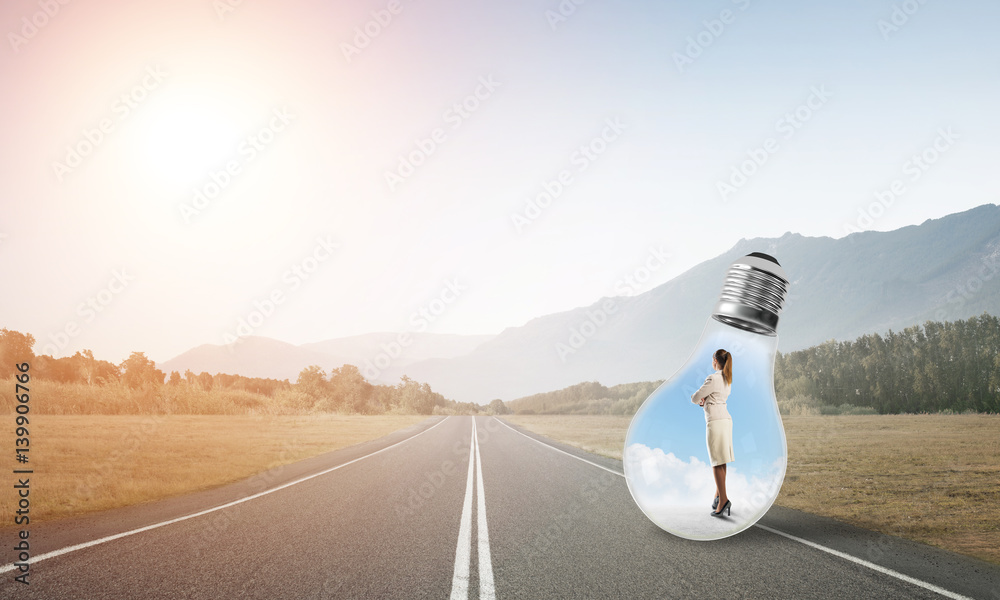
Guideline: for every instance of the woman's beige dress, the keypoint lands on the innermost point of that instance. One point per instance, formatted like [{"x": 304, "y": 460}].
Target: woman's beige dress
[{"x": 719, "y": 424}]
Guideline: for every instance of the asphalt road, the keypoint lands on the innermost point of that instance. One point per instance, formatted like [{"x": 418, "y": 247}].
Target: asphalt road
[{"x": 428, "y": 513}]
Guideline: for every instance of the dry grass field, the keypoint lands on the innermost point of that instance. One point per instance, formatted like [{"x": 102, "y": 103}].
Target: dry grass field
[
  {"x": 930, "y": 478},
  {"x": 87, "y": 463}
]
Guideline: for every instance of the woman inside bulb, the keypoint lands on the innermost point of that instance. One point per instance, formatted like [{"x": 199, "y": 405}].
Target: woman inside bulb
[{"x": 712, "y": 395}]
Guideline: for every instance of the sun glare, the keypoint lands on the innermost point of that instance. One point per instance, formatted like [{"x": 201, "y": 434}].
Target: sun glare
[{"x": 183, "y": 135}]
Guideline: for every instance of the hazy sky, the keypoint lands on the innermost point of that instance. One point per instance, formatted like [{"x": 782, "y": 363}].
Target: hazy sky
[{"x": 357, "y": 178}]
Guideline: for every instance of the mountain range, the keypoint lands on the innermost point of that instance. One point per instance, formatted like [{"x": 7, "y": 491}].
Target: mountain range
[{"x": 943, "y": 269}]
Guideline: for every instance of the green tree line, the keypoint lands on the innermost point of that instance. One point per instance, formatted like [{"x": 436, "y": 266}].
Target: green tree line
[
  {"x": 938, "y": 367},
  {"x": 587, "y": 398},
  {"x": 346, "y": 390},
  {"x": 951, "y": 366},
  {"x": 136, "y": 385}
]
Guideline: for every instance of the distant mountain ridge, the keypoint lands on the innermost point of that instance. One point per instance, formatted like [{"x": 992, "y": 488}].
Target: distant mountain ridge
[
  {"x": 867, "y": 282},
  {"x": 256, "y": 356}
]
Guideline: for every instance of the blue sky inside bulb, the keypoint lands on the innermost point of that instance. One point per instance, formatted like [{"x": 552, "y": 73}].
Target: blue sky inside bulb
[{"x": 666, "y": 458}]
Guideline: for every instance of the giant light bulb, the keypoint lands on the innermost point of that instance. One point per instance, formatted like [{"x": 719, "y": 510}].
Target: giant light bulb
[{"x": 666, "y": 458}]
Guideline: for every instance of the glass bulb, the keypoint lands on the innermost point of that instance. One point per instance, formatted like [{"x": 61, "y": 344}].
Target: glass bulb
[{"x": 666, "y": 458}]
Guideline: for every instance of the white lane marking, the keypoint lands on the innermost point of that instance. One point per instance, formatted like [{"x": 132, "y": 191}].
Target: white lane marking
[
  {"x": 463, "y": 552},
  {"x": 870, "y": 565},
  {"x": 563, "y": 451},
  {"x": 862, "y": 562},
  {"x": 487, "y": 590},
  {"x": 68, "y": 549}
]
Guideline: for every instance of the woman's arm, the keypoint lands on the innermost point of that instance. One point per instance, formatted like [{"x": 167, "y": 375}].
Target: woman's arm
[{"x": 704, "y": 391}]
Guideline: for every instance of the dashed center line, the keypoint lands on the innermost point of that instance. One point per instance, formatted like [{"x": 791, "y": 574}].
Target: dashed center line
[
  {"x": 463, "y": 551},
  {"x": 487, "y": 590}
]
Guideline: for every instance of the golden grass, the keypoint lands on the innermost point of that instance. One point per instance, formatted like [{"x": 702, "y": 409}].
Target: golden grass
[
  {"x": 93, "y": 462},
  {"x": 929, "y": 478},
  {"x": 119, "y": 399}
]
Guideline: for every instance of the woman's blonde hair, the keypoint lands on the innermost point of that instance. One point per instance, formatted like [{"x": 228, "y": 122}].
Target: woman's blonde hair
[{"x": 725, "y": 361}]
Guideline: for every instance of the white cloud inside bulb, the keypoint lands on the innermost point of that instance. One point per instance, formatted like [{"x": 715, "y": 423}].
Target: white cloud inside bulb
[{"x": 661, "y": 479}]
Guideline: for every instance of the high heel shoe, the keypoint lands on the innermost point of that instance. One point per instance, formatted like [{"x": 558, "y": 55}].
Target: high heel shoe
[
  {"x": 727, "y": 507},
  {"x": 715, "y": 503}
]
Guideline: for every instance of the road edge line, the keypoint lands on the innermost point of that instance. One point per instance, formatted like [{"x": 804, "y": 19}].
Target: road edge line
[
  {"x": 864, "y": 563},
  {"x": 859, "y": 561},
  {"x": 54, "y": 553}
]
